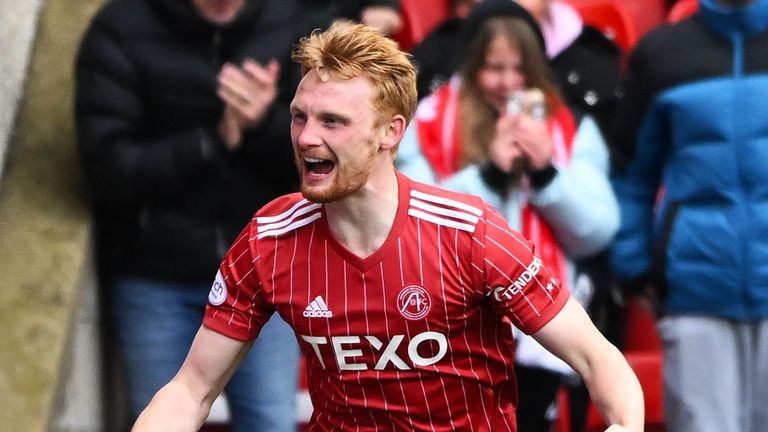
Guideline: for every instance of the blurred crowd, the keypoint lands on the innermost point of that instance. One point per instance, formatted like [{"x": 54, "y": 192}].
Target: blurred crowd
[{"x": 630, "y": 155}]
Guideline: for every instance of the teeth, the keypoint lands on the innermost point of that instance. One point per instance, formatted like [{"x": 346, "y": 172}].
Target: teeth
[{"x": 313, "y": 160}]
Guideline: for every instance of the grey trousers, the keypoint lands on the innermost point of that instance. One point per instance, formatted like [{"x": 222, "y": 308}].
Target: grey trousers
[{"x": 715, "y": 374}]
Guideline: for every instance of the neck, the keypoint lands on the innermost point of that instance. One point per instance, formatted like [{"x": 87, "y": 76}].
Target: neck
[{"x": 362, "y": 221}]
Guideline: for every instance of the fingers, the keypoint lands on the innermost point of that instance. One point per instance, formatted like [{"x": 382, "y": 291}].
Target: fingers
[
  {"x": 264, "y": 76},
  {"x": 243, "y": 86},
  {"x": 503, "y": 150},
  {"x": 536, "y": 149},
  {"x": 503, "y": 155},
  {"x": 234, "y": 87},
  {"x": 529, "y": 136},
  {"x": 249, "y": 90}
]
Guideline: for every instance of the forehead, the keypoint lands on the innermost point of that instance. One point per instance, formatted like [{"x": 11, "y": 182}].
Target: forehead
[
  {"x": 501, "y": 48},
  {"x": 333, "y": 94}
]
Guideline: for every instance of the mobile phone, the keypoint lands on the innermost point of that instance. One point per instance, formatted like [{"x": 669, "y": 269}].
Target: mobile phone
[{"x": 529, "y": 101}]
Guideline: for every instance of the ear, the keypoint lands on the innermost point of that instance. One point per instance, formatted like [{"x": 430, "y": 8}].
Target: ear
[{"x": 393, "y": 132}]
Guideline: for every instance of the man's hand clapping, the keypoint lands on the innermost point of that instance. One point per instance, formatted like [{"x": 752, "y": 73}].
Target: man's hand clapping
[{"x": 248, "y": 93}]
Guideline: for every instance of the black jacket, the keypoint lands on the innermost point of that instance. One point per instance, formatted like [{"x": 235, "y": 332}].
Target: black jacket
[
  {"x": 588, "y": 72},
  {"x": 435, "y": 56},
  {"x": 168, "y": 198}
]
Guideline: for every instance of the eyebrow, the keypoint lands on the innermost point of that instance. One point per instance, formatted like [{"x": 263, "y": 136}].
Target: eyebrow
[
  {"x": 324, "y": 115},
  {"x": 344, "y": 118}
]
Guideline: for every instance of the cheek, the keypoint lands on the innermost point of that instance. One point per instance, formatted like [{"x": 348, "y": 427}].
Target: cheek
[
  {"x": 295, "y": 133},
  {"x": 519, "y": 79},
  {"x": 490, "y": 87},
  {"x": 487, "y": 82}
]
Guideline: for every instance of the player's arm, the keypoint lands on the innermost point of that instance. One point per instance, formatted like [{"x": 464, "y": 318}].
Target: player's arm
[
  {"x": 184, "y": 403},
  {"x": 612, "y": 384}
]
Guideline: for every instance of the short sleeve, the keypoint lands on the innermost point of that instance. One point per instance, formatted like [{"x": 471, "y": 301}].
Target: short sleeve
[
  {"x": 519, "y": 284},
  {"x": 235, "y": 305}
]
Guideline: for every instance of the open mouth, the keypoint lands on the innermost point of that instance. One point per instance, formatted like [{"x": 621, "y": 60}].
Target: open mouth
[{"x": 318, "y": 166}]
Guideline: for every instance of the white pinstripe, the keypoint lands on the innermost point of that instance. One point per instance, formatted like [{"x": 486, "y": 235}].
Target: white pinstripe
[
  {"x": 263, "y": 226},
  {"x": 285, "y": 214},
  {"x": 421, "y": 282}
]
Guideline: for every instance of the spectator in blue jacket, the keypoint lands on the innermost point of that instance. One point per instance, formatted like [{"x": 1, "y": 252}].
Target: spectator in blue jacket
[{"x": 694, "y": 203}]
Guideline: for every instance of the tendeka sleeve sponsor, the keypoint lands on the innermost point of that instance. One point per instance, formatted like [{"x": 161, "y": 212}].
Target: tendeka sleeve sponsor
[
  {"x": 235, "y": 308},
  {"x": 519, "y": 284}
]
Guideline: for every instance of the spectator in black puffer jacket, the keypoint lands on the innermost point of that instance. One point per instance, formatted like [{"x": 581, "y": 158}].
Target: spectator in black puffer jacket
[{"x": 183, "y": 123}]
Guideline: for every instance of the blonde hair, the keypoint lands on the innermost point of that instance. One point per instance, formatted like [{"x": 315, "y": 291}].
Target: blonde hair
[{"x": 361, "y": 51}]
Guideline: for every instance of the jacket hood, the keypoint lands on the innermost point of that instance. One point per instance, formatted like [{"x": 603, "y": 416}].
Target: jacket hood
[
  {"x": 182, "y": 16},
  {"x": 725, "y": 20},
  {"x": 493, "y": 8}
]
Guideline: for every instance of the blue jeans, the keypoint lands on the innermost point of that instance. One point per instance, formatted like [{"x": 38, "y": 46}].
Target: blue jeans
[{"x": 156, "y": 322}]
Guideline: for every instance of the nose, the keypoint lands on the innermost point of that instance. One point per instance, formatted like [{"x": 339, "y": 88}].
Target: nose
[
  {"x": 306, "y": 134},
  {"x": 510, "y": 81}
]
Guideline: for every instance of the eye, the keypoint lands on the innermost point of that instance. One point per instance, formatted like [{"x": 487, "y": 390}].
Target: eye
[
  {"x": 494, "y": 67},
  {"x": 299, "y": 118},
  {"x": 333, "y": 121}
]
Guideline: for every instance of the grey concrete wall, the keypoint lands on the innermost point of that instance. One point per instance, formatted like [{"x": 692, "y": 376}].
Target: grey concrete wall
[
  {"x": 18, "y": 20},
  {"x": 44, "y": 219},
  {"x": 79, "y": 407}
]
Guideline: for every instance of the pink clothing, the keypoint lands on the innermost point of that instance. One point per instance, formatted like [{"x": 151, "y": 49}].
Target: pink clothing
[{"x": 562, "y": 27}]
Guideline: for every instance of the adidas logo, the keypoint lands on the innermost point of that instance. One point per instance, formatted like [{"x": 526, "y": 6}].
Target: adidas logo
[{"x": 317, "y": 309}]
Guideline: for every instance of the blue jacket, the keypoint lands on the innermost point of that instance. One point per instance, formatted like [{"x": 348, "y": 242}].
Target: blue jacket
[{"x": 696, "y": 114}]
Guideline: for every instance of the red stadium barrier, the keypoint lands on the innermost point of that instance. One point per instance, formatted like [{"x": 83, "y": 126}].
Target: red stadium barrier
[
  {"x": 682, "y": 10},
  {"x": 419, "y": 18},
  {"x": 639, "y": 328},
  {"x": 624, "y": 21}
]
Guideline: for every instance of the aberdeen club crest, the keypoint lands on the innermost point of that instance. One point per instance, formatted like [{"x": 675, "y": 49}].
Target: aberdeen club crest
[{"x": 414, "y": 302}]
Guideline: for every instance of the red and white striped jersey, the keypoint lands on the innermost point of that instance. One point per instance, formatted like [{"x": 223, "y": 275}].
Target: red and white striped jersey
[{"x": 416, "y": 336}]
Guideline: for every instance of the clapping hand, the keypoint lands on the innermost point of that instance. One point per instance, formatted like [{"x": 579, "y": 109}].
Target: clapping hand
[
  {"x": 248, "y": 93},
  {"x": 385, "y": 19}
]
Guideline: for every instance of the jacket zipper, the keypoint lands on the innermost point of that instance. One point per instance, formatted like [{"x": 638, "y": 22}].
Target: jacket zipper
[{"x": 216, "y": 49}]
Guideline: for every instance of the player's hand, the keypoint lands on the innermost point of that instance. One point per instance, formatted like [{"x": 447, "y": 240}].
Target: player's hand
[{"x": 248, "y": 93}]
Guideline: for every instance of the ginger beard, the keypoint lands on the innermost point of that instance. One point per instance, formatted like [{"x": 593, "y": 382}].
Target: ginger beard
[{"x": 344, "y": 177}]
